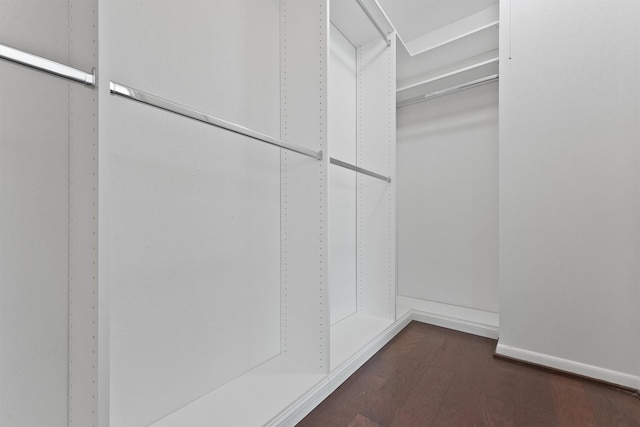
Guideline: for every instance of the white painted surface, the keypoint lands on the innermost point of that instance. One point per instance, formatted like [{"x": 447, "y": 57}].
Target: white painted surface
[
  {"x": 83, "y": 218},
  {"x": 297, "y": 411},
  {"x": 342, "y": 182},
  {"x": 304, "y": 28},
  {"x": 342, "y": 243},
  {"x": 213, "y": 56},
  {"x": 452, "y": 75},
  {"x": 104, "y": 258},
  {"x": 190, "y": 239},
  {"x": 569, "y": 182},
  {"x": 566, "y": 365},
  {"x": 362, "y": 211},
  {"x": 448, "y": 199},
  {"x": 376, "y": 198},
  {"x": 456, "y": 52},
  {"x": 352, "y": 334},
  {"x": 469, "y": 320},
  {"x": 413, "y": 19},
  {"x": 272, "y": 386},
  {"x": 343, "y": 99},
  {"x": 376, "y": 243},
  {"x": 306, "y": 403},
  {"x": 195, "y": 291},
  {"x": 34, "y": 220},
  {"x": 465, "y": 26},
  {"x": 348, "y": 16}
]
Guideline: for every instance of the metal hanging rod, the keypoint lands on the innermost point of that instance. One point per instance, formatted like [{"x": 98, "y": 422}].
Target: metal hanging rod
[
  {"x": 358, "y": 169},
  {"x": 163, "y": 104},
  {"x": 51, "y": 67},
  {"x": 448, "y": 90},
  {"x": 384, "y": 35}
]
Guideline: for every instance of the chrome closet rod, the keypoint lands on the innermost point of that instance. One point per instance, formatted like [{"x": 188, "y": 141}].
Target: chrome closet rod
[
  {"x": 46, "y": 65},
  {"x": 358, "y": 169},
  {"x": 375, "y": 23},
  {"x": 448, "y": 90},
  {"x": 146, "y": 98}
]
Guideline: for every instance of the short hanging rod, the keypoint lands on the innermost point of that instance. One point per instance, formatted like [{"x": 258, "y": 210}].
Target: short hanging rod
[
  {"x": 358, "y": 169},
  {"x": 448, "y": 91},
  {"x": 46, "y": 65},
  {"x": 163, "y": 104},
  {"x": 374, "y": 22}
]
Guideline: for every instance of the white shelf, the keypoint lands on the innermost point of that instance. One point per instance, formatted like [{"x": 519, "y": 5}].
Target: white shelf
[
  {"x": 252, "y": 399},
  {"x": 479, "y": 67},
  {"x": 353, "y": 23},
  {"x": 352, "y": 334}
]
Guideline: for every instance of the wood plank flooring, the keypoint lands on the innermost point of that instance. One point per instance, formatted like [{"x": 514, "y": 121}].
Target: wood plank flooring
[{"x": 431, "y": 376}]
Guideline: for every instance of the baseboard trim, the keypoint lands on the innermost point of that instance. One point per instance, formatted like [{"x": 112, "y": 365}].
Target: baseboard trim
[
  {"x": 469, "y": 327},
  {"x": 298, "y": 410},
  {"x": 609, "y": 377},
  {"x": 339, "y": 374},
  {"x": 303, "y": 406},
  {"x": 470, "y": 320}
]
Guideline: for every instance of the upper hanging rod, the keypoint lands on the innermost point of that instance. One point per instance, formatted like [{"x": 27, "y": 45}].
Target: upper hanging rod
[
  {"x": 42, "y": 64},
  {"x": 375, "y": 23},
  {"x": 145, "y": 98},
  {"x": 448, "y": 90},
  {"x": 359, "y": 169}
]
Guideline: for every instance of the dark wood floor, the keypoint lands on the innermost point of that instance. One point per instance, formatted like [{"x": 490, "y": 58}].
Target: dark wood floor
[{"x": 431, "y": 376}]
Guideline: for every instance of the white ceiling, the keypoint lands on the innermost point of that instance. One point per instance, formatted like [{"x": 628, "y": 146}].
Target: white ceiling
[{"x": 415, "y": 18}]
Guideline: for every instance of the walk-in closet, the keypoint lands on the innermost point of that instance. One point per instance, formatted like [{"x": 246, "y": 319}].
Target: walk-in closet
[
  {"x": 213, "y": 212},
  {"x": 447, "y": 99}
]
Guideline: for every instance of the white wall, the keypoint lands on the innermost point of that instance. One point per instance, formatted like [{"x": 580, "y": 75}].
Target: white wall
[
  {"x": 48, "y": 218},
  {"x": 342, "y": 194},
  {"x": 377, "y": 198},
  {"x": 190, "y": 214},
  {"x": 34, "y": 221},
  {"x": 570, "y": 185},
  {"x": 448, "y": 199}
]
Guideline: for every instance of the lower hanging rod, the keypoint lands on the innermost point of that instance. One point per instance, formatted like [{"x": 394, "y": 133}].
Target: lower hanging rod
[
  {"x": 358, "y": 169},
  {"x": 163, "y": 104},
  {"x": 46, "y": 65},
  {"x": 448, "y": 90}
]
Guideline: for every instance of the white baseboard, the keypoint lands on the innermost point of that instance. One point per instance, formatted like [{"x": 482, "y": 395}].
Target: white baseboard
[
  {"x": 570, "y": 366},
  {"x": 469, "y": 320},
  {"x": 462, "y": 319},
  {"x": 346, "y": 369},
  {"x": 303, "y": 406}
]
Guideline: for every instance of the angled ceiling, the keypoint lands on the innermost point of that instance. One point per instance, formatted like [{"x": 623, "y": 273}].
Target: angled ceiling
[
  {"x": 445, "y": 44},
  {"x": 414, "y": 19}
]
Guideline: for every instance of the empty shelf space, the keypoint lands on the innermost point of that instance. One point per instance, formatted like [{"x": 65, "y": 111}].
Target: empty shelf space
[
  {"x": 352, "y": 334},
  {"x": 252, "y": 399}
]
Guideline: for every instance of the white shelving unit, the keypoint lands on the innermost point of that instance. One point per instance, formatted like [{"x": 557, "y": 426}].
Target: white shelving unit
[
  {"x": 442, "y": 121},
  {"x": 212, "y": 250},
  {"x": 214, "y": 242},
  {"x": 361, "y": 207},
  {"x": 469, "y": 70},
  {"x": 464, "y": 52},
  {"x": 48, "y": 214}
]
